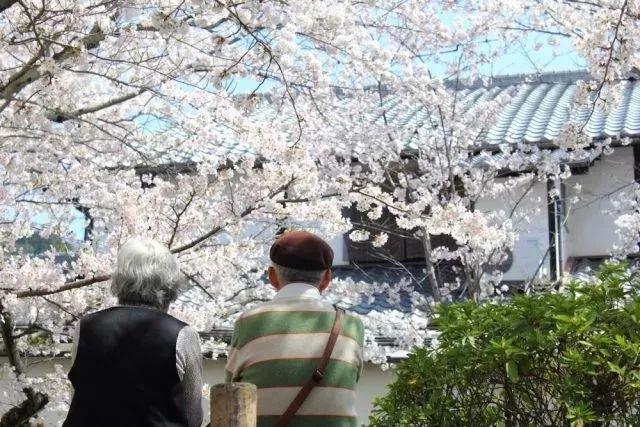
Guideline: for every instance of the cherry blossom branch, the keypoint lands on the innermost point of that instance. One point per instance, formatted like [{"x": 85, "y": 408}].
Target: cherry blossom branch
[
  {"x": 522, "y": 196},
  {"x": 103, "y": 278},
  {"x": 608, "y": 63},
  {"x": 198, "y": 284},
  {"x": 60, "y": 307},
  {"x": 31, "y": 72},
  {"x": 219, "y": 228},
  {"x": 525, "y": 28},
  {"x": 179, "y": 214},
  {"x": 61, "y": 116},
  {"x": 66, "y": 287},
  {"x": 268, "y": 50}
]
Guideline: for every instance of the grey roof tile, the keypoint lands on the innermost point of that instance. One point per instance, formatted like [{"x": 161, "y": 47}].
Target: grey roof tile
[{"x": 540, "y": 107}]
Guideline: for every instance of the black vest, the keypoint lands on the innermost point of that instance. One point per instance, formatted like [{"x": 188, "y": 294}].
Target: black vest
[{"x": 124, "y": 373}]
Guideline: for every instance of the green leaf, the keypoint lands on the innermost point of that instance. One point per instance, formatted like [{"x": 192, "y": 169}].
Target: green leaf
[
  {"x": 566, "y": 345},
  {"x": 617, "y": 369},
  {"x": 564, "y": 318},
  {"x": 512, "y": 370}
]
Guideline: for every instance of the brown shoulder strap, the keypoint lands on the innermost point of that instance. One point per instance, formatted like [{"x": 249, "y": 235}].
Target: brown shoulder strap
[{"x": 317, "y": 375}]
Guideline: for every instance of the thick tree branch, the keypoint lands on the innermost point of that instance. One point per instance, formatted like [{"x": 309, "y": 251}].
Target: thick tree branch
[
  {"x": 19, "y": 415},
  {"x": 35, "y": 401},
  {"x": 32, "y": 72},
  {"x": 66, "y": 287},
  {"x": 62, "y": 116}
]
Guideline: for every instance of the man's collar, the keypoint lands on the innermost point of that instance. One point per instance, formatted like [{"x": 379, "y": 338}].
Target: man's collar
[{"x": 298, "y": 290}]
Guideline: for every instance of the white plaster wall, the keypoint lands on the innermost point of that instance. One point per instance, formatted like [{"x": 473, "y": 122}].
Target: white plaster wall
[
  {"x": 533, "y": 240},
  {"x": 589, "y": 228},
  {"x": 372, "y": 384},
  {"x": 340, "y": 256}
]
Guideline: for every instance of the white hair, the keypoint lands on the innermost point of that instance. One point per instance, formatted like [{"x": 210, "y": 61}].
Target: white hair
[
  {"x": 147, "y": 274},
  {"x": 289, "y": 275}
]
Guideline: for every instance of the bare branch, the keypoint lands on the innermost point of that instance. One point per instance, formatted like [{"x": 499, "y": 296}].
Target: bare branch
[{"x": 66, "y": 287}]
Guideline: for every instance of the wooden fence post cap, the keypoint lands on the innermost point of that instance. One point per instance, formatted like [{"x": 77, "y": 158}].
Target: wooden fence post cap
[
  {"x": 232, "y": 386},
  {"x": 234, "y": 405}
]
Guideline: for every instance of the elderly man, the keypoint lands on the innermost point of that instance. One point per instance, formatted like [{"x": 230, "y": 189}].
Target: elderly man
[
  {"x": 135, "y": 365},
  {"x": 303, "y": 354}
]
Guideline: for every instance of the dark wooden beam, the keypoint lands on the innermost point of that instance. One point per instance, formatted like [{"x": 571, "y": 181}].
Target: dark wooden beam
[
  {"x": 636, "y": 163},
  {"x": 553, "y": 230}
]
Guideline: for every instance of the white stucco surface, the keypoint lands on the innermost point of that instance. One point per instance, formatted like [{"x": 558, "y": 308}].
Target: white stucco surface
[
  {"x": 372, "y": 383},
  {"x": 589, "y": 227},
  {"x": 340, "y": 256},
  {"x": 532, "y": 228}
]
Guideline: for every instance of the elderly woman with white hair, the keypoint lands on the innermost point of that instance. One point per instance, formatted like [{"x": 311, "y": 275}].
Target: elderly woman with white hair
[{"x": 134, "y": 364}]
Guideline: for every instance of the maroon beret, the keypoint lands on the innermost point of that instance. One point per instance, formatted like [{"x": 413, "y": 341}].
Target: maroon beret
[{"x": 301, "y": 250}]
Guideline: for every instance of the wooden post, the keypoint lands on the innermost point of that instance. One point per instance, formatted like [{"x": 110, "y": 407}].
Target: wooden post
[{"x": 234, "y": 405}]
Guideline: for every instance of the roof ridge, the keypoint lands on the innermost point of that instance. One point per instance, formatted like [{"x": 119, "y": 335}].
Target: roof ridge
[{"x": 566, "y": 76}]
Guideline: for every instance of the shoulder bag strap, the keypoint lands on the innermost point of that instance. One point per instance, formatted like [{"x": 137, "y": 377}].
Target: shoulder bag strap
[{"x": 317, "y": 375}]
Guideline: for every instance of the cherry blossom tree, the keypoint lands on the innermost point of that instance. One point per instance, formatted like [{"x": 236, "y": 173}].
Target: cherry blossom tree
[{"x": 211, "y": 125}]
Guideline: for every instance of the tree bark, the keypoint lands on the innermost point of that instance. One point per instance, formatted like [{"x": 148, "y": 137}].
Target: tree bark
[
  {"x": 18, "y": 415},
  {"x": 21, "y": 414},
  {"x": 6, "y": 328},
  {"x": 31, "y": 71},
  {"x": 432, "y": 277}
]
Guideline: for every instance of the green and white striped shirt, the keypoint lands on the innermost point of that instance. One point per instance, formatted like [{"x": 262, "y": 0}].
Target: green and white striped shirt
[{"x": 277, "y": 346}]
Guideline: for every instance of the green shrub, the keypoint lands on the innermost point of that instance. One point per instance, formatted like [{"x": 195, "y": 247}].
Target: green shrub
[{"x": 553, "y": 359}]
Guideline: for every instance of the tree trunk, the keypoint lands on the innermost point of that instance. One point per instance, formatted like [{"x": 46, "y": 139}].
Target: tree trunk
[
  {"x": 20, "y": 414},
  {"x": 10, "y": 347},
  {"x": 432, "y": 277},
  {"x": 473, "y": 277}
]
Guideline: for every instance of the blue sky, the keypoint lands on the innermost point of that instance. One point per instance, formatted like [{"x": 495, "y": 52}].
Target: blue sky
[
  {"x": 524, "y": 58},
  {"x": 533, "y": 53}
]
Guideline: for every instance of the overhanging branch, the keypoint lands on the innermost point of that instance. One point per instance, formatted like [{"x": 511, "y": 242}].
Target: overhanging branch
[
  {"x": 32, "y": 72},
  {"x": 66, "y": 287},
  {"x": 103, "y": 278},
  {"x": 62, "y": 116}
]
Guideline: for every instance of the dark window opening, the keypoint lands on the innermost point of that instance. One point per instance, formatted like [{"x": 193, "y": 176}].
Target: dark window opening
[{"x": 402, "y": 245}]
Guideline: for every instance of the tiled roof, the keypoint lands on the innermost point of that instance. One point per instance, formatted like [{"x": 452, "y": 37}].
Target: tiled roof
[
  {"x": 380, "y": 274},
  {"x": 540, "y": 107},
  {"x": 576, "y": 158}
]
